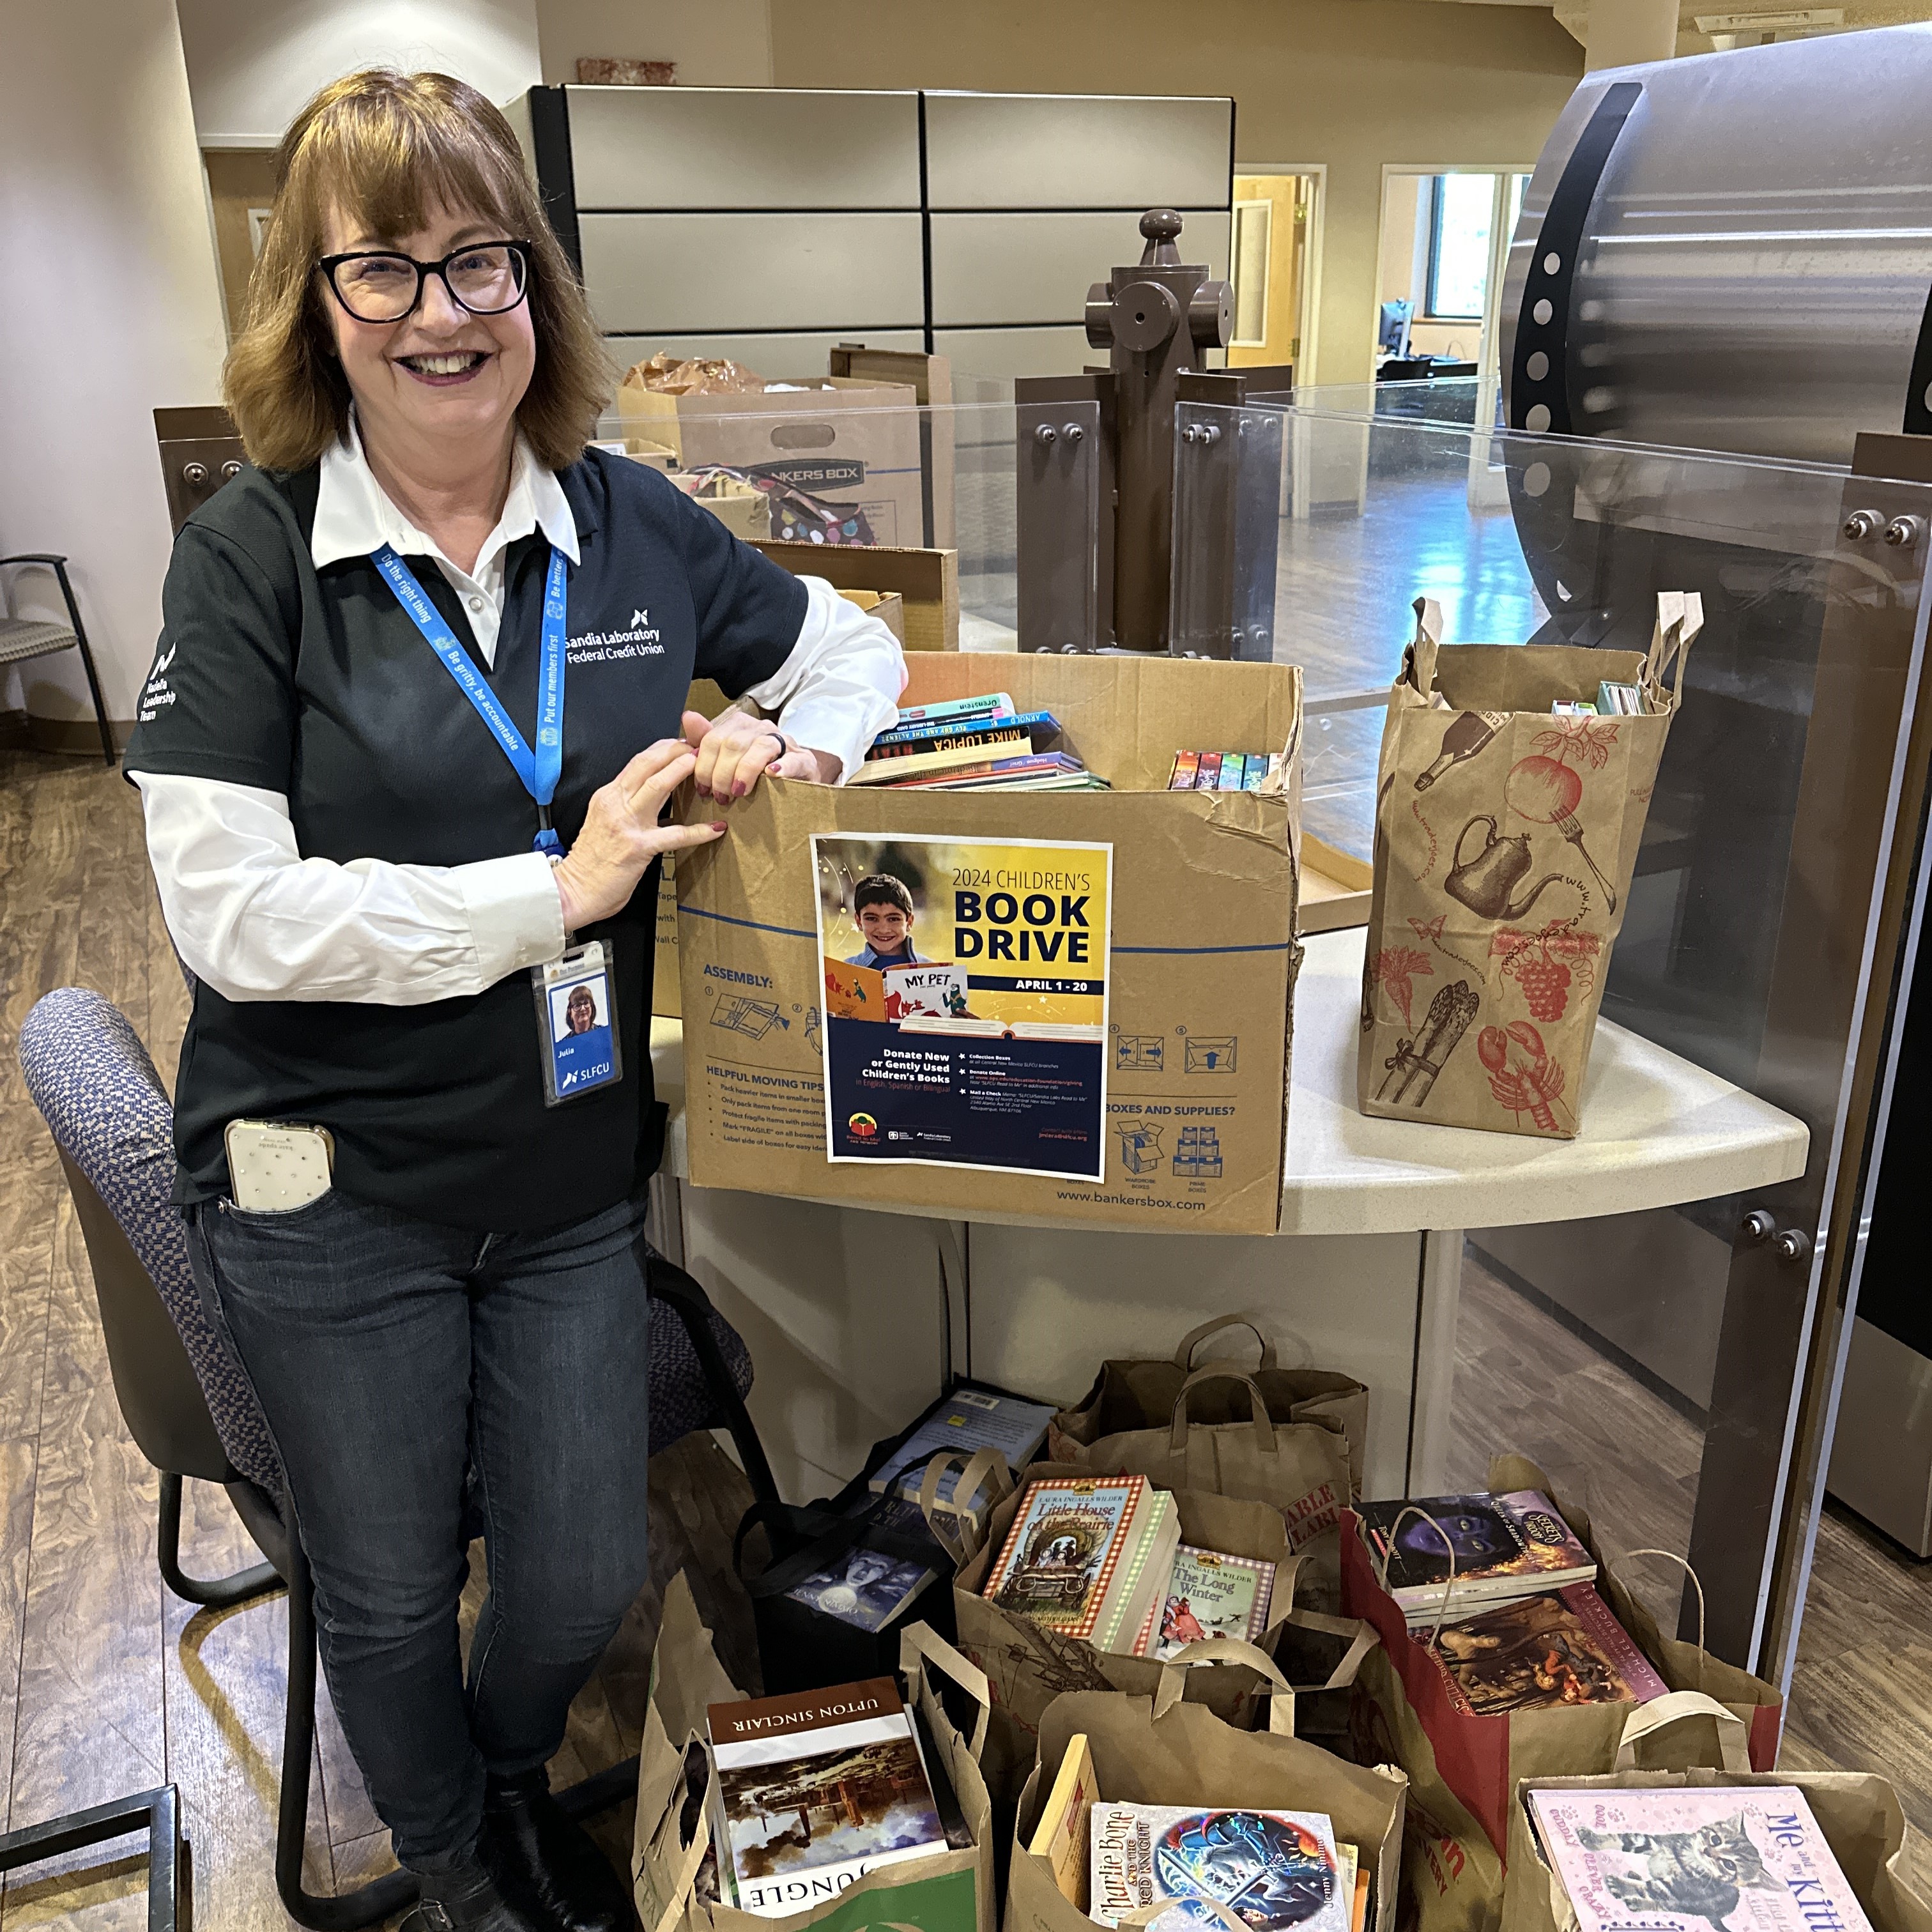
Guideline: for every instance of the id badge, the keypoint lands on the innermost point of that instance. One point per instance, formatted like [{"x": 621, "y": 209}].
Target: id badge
[{"x": 576, "y": 1026}]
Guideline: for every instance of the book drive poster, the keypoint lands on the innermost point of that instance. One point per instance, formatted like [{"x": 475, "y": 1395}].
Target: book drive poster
[{"x": 965, "y": 1001}]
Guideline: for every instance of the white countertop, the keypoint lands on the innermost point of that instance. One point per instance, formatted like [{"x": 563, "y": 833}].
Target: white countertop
[{"x": 1657, "y": 1131}]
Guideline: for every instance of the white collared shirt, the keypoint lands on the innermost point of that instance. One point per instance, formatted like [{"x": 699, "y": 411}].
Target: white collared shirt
[{"x": 256, "y": 920}]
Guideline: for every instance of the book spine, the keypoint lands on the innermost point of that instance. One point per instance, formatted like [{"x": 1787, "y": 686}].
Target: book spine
[
  {"x": 1186, "y": 764},
  {"x": 1207, "y": 772},
  {"x": 1137, "y": 1565},
  {"x": 989, "y": 703},
  {"x": 952, "y": 743}
]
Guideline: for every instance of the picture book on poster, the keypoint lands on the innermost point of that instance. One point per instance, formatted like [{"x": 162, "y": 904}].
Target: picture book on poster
[{"x": 1721, "y": 1858}]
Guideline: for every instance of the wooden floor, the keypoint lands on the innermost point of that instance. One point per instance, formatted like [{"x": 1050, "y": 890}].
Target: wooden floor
[{"x": 108, "y": 1685}]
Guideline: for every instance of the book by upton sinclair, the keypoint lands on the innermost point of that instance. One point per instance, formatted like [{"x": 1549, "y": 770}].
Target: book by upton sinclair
[
  {"x": 1724, "y": 1858},
  {"x": 818, "y": 1789}
]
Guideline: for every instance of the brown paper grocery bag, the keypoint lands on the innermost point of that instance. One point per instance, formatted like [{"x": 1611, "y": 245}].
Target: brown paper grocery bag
[
  {"x": 1859, "y": 1813},
  {"x": 1481, "y": 1759},
  {"x": 1505, "y": 840},
  {"x": 1300, "y": 1467},
  {"x": 1451, "y": 1874},
  {"x": 1163, "y": 1750},
  {"x": 950, "y": 1891},
  {"x": 1027, "y": 1666},
  {"x": 1131, "y": 1394}
]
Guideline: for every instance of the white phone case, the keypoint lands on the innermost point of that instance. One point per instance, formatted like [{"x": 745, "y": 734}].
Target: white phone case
[{"x": 274, "y": 1167}]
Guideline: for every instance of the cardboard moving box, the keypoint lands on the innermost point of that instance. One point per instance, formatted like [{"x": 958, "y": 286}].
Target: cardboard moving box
[
  {"x": 1191, "y": 959},
  {"x": 928, "y": 581},
  {"x": 844, "y": 441}
]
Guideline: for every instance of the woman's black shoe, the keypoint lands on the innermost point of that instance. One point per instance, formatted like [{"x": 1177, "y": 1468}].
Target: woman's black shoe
[
  {"x": 546, "y": 1863},
  {"x": 467, "y": 1899}
]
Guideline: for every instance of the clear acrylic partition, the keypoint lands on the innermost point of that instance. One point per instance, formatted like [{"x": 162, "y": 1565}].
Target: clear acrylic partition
[
  {"x": 1675, "y": 1365},
  {"x": 939, "y": 477}
]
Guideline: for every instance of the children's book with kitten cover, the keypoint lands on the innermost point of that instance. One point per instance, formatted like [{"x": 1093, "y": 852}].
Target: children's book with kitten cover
[{"x": 1710, "y": 1858}]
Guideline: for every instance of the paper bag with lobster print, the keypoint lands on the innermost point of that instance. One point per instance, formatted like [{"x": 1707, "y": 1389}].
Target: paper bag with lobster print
[{"x": 1506, "y": 835}]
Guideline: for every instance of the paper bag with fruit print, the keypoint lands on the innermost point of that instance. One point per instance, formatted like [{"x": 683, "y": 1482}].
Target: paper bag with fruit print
[{"x": 1506, "y": 834}]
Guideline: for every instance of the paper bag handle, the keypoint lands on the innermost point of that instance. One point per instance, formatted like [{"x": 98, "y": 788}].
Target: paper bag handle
[
  {"x": 1680, "y": 617},
  {"x": 1419, "y": 669},
  {"x": 1360, "y": 1633},
  {"x": 1674, "y": 1708},
  {"x": 956, "y": 1529},
  {"x": 920, "y": 1642},
  {"x": 1145, "y": 1915},
  {"x": 1173, "y": 1684},
  {"x": 1221, "y": 1372},
  {"x": 1683, "y": 1564},
  {"x": 1184, "y": 1355}
]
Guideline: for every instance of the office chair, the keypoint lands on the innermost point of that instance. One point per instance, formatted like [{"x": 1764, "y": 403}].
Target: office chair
[
  {"x": 191, "y": 1412},
  {"x": 24, "y": 637}
]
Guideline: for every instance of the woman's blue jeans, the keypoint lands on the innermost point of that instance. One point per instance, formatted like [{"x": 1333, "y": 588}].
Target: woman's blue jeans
[{"x": 389, "y": 1355}]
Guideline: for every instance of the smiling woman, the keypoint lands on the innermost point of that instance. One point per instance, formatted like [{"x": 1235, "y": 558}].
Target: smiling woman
[
  {"x": 363, "y": 166},
  {"x": 419, "y": 894}
]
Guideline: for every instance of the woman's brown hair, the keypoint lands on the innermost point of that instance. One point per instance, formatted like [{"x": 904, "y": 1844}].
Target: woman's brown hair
[{"x": 386, "y": 148}]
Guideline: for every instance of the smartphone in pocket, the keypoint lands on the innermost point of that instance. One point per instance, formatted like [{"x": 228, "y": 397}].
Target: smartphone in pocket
[{"x": 276, "y": 1166}]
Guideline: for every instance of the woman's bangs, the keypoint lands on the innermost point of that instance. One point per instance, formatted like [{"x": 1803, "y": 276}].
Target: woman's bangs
[{"x": 391, "y": 179}]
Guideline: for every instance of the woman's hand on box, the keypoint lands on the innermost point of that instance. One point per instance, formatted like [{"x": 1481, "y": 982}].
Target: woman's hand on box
[
  {"x": 621, "y": 835},
  {"x": 734, "y": 750}
]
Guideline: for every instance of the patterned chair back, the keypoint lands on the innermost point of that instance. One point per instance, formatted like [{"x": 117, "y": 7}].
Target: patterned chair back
[
  {"x": 186, "y": 1407},
  {"x": 189, "y": 1406}
]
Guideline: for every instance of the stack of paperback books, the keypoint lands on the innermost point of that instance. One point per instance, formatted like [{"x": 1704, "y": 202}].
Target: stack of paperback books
[
  {"x": 1747, "y": 1858},
  {"x": 812, "y": 1791},
  {"x": 1088, "y": 1557},
  {"x": 1522, "y": 1626},
  {"x": 1270, "y": 1869},
  {"x": 973, "y": 744},
  {"x": 869, "y": 1585}
]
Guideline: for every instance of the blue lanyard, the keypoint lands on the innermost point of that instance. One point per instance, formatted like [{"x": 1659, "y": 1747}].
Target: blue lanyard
[{"x": 539, "y": 771}]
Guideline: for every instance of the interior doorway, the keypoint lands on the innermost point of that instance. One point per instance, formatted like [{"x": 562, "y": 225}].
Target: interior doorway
[
  {"x": 241, "y": 187},
  {"x": 1273, "y": 256},
  {"x": 1439, "y": 270}
]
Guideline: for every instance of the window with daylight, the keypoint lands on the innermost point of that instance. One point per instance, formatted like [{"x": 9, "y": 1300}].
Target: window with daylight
[{"x": 1461, "y": 208}]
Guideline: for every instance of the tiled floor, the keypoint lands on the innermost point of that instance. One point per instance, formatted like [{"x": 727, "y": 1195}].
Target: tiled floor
[{"x": 108, "y": 1685}]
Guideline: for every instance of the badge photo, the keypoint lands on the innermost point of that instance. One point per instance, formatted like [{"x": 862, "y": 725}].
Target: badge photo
[{"x": 577, "y": 1027}]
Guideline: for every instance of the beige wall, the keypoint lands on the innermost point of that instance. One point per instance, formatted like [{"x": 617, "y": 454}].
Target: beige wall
[
  {"x": 104, "y": 193},
  {"x": 1404, "y": 270},
  {"x": 1352, "y": 85},
  {"x": 714, "y": 43}
]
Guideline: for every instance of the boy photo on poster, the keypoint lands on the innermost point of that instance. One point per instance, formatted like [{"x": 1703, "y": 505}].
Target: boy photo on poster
[{"x": 965, "y": 1001}]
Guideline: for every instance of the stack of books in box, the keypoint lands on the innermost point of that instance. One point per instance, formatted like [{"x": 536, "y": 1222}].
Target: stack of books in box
[
  {"x": 974, "y": 744},
  {"x": 1521, "y": 1625}
]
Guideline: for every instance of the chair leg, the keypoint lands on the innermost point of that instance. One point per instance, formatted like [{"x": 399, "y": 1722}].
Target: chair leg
[
  {"x": 368, "y": 1904},
  {"x": 241, "y": 1588},
  {"x": 93, "y": 677}
]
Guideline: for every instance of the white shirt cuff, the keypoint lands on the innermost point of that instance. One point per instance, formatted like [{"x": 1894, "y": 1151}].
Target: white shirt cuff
[{"x": 515, "y": 916}]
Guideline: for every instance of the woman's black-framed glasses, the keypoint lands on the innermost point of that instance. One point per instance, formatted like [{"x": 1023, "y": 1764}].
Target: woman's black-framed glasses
[{"x": 486, "y": 278}]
